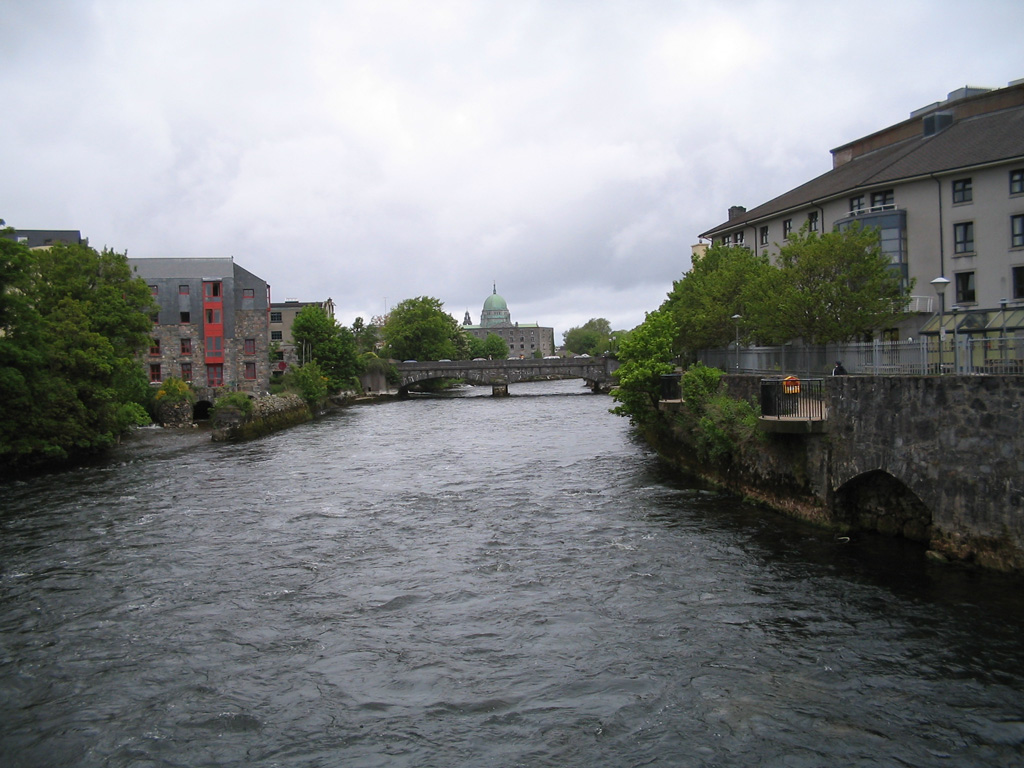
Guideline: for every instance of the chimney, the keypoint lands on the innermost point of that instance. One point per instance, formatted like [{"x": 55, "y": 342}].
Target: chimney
[{"x": 736, "y": 211}]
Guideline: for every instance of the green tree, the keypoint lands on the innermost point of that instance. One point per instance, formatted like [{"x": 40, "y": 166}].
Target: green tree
[
  {"x": 591, "y": 338},
  {"x": 321, "y": 339},
  {"x": 310, "y": 382},
  {"x": 420, "y": 329},
  {"x": 493, "y": 347},
  {"x": 833, "y": 287},
  {"x": 367, "y": 336},
  {"x": 644, "y": 357},
  {"x": 723, "y": 282},
  {"x": 71, "y": 322}
]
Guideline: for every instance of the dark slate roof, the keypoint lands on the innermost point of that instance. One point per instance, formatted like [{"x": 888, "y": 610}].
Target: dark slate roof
[
  {"x": 969, "y": 142},
  {"x": 37, "y": 237},
  {"x": 168, "y": 268}
]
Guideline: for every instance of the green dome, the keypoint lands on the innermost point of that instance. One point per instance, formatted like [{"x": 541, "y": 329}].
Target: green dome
[
  {"x": 495, "y": 311},
  {"x": 494, "y": 302}
]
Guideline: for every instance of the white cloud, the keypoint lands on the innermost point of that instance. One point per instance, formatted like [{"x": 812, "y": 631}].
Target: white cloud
[{"x": 572, "y": 152}]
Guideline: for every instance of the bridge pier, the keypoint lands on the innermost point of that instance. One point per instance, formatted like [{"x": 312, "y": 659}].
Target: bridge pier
[{"x": 499, "y": 389}]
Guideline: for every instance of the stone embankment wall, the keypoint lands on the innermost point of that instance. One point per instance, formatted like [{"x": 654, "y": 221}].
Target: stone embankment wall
[
  {"x": 269, "y": 414},
  {"x": 937, "y": 459}
]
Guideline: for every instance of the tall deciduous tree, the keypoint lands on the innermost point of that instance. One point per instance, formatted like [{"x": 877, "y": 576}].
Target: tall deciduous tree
[
  {"x": 838, "y": 286},
  {"x": 72, "y": 321},
  {"x": 420, "y": 329},
  {"x": 321, "y": 339},
  {"x": 723, "y": 282},
  {"x": 644, "y": 357},
  {"x": 591, "y": 338}
]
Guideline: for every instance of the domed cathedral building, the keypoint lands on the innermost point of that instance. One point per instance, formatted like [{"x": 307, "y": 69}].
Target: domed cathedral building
[{"x": 523, "y": 339}]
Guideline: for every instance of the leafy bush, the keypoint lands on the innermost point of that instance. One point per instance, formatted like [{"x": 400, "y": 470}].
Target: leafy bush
[
  {"x": 235, "y": 400},
  {"x": 174, "y": 391},
  {"x": 309, "y": 382},
  {"x": 720, "y": 425}
]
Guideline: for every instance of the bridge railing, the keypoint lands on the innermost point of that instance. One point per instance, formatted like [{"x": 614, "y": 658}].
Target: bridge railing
[
  {"x": 918, "y": 357},
  {"x": 793, "y": 398}
]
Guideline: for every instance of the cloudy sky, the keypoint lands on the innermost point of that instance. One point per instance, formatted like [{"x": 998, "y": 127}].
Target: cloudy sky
[{"x": 570, "y": 151}]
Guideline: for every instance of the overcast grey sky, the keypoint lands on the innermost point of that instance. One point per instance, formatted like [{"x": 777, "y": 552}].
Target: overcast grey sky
[{"x": 375, "y": 151}]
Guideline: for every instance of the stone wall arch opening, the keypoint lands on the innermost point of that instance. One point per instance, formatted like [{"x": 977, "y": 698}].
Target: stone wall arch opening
[
  {"x": 877, "y": 501},
  {"x": 201, "y": 410}
]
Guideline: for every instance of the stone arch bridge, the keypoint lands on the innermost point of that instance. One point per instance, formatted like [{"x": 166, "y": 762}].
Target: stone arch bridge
[
  {"x": 938, "y": 459},
  {"x": 595, "y": 371}
]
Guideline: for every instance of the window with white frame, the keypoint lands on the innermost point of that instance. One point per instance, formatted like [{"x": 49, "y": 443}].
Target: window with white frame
[
  {"x": 764, "y": 235},
  {"x": 1017, "y": 231},
  {"x": 812, "y": 221},
  {"x": 787, "y": 228}
]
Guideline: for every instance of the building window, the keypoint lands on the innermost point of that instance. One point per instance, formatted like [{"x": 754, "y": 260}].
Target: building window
[
  {"x": 250, "y": 346},
  {"x": 962, "y": 191},
  {"x": 883, "y": 198},
  {"x": 856, "y": 203},
  {"x": 963, "y": 237},
  {"x": 154, "y": 346},
  {"x": 276, "y": 335},
  {"x": 186, "y": 318},
  {"x": 1017, "y": 231},
  {"x": 787, "y": 228},
  {"x": 154, "y": 372},
  {"x": 213, "y": 316},
  {"x": 211, "y": 291},
  {"x": 1017, "y": 182},
  {"x": 727, "y": 240},
  {"x": 739, "y": 238},
  {"x": 248, "y": 293},
  {"x": 186, "y": 371},
  {"x": 1018, "y": 282},
  {"x": 183, "y": 290},
  {"x": 812, "y": 221},
  {"x": 275, "y": 317},
  {"x": 965, "y": 288},
  {"x": 154, "y": 289},
  {"x": 215, "y": 375},
  {"x": 186, "y": 346},
  {"x": 250, "y": 371},
  {"x": 214, "y": 346},
  {"x": 764, "y": 235}
]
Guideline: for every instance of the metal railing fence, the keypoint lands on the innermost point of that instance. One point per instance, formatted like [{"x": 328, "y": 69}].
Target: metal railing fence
[
  {"x": 924, "y": 356},
  {"x": 793, "y": 398}
]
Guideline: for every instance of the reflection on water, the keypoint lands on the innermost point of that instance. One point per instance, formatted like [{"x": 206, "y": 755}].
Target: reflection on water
[{"x": 466, "y": 581}]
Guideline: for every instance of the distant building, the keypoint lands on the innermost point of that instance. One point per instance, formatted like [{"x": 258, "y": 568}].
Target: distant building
[
  {"x": 945, "y": 188},
  {"x": 43, "y": 238},
  {"x": 282, "y": 315},
  {"x": 212, "y": 326},
  {"x": 523, "y": 339}
]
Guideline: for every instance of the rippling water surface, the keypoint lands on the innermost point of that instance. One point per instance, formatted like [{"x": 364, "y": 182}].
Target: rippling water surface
[{"x": 471, "y": 581}]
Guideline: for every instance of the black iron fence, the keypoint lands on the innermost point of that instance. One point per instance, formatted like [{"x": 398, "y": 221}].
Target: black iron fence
[{"x": 793, "y": 398}]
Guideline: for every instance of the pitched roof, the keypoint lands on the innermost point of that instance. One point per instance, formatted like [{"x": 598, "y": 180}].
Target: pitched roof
[{"x": 969, "y": 142}]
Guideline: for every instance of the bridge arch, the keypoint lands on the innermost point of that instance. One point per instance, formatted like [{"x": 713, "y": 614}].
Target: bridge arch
[{"x": 877, "y": 501}]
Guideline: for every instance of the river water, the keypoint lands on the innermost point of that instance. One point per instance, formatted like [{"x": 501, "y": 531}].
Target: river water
[{"x": 473, "y": 581}]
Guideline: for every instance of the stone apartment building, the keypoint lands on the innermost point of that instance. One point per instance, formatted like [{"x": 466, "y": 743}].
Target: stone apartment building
[
  {"x": 212, "y": 326},
  {"x": 945, "y": 188},
  {"x": 523, "y": 339}
]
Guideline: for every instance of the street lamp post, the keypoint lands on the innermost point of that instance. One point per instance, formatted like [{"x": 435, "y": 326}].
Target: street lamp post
[
  {"x": 956, "y": 343},
  {"x": 1002, "y": 342},
  {"x": 736, "y": 319},
  {"x": 939, "y": 284}
]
